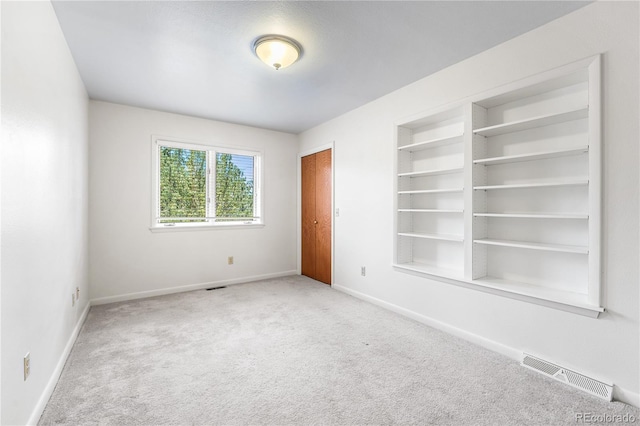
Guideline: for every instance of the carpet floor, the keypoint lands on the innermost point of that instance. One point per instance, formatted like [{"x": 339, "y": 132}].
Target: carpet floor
[{"x": 292, "y": 351}]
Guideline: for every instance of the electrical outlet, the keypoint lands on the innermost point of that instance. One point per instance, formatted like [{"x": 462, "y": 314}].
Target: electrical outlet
[
  {"x": 337, "y": 212},
  {"x": 363, "y": 271},
  {"x": 77, "y": 293},
  {"x": 73, "y": 300},
  {"x": 230, "y": 260},
  {"x": 27, "y": 365}
]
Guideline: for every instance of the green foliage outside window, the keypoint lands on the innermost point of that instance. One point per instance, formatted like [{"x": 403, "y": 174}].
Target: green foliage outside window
[
  {"x": 234, "y": 190},
  {"x": 183, "y": 185}
]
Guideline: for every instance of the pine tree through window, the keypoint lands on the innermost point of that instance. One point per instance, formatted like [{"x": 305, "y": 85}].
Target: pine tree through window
[
  {"x": 201, "y": 185},
  {"x": 234, "y": 187},
  {"x": 183, "y": 185}
]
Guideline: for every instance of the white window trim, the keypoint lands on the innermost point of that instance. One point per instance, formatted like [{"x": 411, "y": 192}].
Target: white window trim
[{"x": 157, "y": 141}]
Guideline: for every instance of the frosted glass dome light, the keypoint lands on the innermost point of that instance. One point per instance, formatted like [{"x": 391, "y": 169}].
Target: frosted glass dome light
[{"x": 277, "y": 51}]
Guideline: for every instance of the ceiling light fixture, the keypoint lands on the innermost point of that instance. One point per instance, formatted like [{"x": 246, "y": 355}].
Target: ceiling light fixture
[{"x": 277, "y": 51}]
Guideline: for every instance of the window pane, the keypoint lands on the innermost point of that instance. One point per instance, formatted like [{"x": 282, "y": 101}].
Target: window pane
[
  {"x": 183, "y": 184},
  {"x": 234, "y": 186}
]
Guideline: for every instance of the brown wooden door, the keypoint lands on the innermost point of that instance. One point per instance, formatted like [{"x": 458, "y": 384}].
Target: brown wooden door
[
  {"x": 316, "y": 216},
  {"x": 309, "y": 216}
]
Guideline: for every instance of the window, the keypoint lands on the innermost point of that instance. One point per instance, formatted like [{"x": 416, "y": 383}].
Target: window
[{"x": 199, "y": 185}]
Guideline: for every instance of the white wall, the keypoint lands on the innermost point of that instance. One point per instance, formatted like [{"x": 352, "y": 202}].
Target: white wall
[
  {"x": 127, "y": 259},
  {"x": 44, "y": 205},
  {"x": 608, "y": 347}
]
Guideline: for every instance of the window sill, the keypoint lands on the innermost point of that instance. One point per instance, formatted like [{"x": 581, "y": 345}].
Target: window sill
[{"x": 183, "y": 228}]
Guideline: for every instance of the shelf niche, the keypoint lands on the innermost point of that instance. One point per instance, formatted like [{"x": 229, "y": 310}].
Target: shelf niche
[
  {"x": 501, "y": 192},
  {"x": 429, "y": 197}
]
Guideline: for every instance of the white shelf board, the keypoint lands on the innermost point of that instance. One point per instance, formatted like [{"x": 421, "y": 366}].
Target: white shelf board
[
  {"x": 431, "y": 172},
  {"x": 432, "y": 143},
  {"x": 424, "y": 268},
  {"x": 535, "y": 215},
  {"x": 558, "y": 299},
  {"x": 543, "y": 294},
  {"x": 443, "y": 237},
  {"x": 431, "y": 191},
  {"x": 429, "y": 211},
  {"x": 532, "y": 156},
  {"x": 531, "y": 123},
  {"x": 534, "y": 246},
  {"x": 535, "y": 185}
]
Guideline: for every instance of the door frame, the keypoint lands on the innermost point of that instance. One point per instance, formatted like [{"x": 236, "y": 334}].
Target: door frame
[{"x": 301, "y": 154}]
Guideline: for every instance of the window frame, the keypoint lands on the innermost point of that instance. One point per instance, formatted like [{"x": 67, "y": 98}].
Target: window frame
[{"x": 211, "y": 150}]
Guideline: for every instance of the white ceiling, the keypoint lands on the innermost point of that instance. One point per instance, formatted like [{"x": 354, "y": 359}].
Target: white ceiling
[{"x": 195, "y": 58}]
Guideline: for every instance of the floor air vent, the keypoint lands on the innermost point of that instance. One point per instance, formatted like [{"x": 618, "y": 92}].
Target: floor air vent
[
  {"x": 216, "y": 288},
  {"x": 569, "y": 377}
]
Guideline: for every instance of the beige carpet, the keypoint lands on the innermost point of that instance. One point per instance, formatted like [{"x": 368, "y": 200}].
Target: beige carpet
[{"x": 293, "y": 351}]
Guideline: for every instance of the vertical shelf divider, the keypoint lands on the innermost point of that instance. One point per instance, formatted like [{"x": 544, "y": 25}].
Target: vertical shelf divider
[
  {"x": 468, "y": 192},
  {"x": 595, "y": 181}
]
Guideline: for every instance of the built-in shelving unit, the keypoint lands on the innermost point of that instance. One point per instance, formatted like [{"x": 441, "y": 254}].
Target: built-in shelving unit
[
  {"x": 429, "y": 197},
  {"x": 502, "y": 191}
]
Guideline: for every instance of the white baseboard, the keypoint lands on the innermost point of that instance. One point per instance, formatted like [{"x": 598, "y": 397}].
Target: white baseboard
[
  {"x": 449, "y": 329},
  {"x": 188, "y": 287},
  {"x": 626, "y": 396},
  {"x": 619, "y": 394},
  {"x": 53, "y": 380}
]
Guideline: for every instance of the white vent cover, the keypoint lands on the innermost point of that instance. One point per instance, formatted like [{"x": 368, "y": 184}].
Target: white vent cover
[{"x": 567, "y": 376}]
